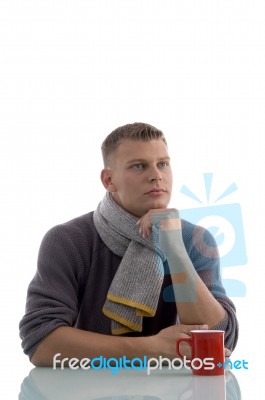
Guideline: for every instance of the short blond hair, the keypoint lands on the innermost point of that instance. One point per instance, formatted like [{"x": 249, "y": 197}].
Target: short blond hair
[{"x": 135, "y": 131}]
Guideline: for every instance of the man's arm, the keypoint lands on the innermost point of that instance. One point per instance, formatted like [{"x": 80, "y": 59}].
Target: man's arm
[
  {"x": 194, "y": 301},
  {"x": 198, "y": 305},
  {"x": 75, "y": 343}
]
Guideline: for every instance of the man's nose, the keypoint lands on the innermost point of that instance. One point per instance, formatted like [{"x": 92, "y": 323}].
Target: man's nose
[{"x": 154, "y": 175}]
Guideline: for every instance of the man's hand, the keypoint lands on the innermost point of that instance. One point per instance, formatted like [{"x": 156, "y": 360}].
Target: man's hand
[
  {"x": 169, "y": 231},
  {"x": 164, "y": 342},
  {"x": 165, "y": 218}
]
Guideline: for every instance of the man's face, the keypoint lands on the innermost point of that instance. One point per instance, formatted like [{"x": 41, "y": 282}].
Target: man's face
[{"x": 140, "y": 176}]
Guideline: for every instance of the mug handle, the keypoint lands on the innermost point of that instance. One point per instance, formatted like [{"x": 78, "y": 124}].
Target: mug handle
[{"x": 178, "y": 344}]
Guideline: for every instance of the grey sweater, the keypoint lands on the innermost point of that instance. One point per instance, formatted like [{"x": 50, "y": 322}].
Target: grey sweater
[{"x": 75, "y": 270}]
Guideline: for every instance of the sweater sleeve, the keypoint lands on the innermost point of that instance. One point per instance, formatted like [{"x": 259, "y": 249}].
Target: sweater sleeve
[
  {"x": 204, "y": 255},
  {"x": 53, "y": 294}
]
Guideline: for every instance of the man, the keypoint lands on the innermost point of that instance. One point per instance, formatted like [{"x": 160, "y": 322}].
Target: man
[{"x": 131, "y": 277}]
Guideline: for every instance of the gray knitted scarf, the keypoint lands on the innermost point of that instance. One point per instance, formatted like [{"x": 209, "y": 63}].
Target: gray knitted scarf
[{"x": 135, "y": 289}]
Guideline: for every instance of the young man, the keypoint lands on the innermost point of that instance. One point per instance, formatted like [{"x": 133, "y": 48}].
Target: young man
[{"x": 130, "y": 277}]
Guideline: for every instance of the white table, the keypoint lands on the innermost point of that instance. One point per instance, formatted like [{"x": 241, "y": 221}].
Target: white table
[{"x": 67, "y": 384}]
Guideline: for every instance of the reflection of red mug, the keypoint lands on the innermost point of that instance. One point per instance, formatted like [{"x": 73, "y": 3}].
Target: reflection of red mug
[{"x": 207, "y": 352}]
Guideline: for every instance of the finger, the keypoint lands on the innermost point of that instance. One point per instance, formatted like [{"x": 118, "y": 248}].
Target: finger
[
  {"x": 147, "y": 233},
  {"x": 227, "y": 352},
  {"x": 185, "y": 349},
  {"x": 148, "y": 230},
  {"x": 146, "y": 226},
  {"x": 189, "y": 328},
  {"x": 140, "y": 224},
  {"x": 199, "y": 327},
  {"x": 144, "y": 231}
]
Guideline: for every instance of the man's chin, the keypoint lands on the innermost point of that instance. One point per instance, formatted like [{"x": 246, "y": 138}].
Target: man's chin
[
  {"x": 153, "y": 205},
  {"x": 158, "y": 203}
]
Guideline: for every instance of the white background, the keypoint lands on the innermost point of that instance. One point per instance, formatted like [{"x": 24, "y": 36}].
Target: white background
[{"x": 72, "y": 71}]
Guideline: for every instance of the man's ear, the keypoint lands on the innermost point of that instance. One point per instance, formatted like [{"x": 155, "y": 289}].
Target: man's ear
[{"x": 106, "y": 179}]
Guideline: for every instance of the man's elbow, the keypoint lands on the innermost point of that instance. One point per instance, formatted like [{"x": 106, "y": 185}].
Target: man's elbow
[{"x": 40, "y": 357}]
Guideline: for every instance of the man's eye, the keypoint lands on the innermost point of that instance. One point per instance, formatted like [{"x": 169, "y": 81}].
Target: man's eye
[
  {"x": 138, "y": 166},
  {"x": 163, "y": 164}
]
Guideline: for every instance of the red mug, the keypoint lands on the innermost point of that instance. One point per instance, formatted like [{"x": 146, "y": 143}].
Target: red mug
[{"x": 208, "y": 354}]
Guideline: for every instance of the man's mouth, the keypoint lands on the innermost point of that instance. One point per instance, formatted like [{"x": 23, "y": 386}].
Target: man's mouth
[{"x": 156, "y": 191}]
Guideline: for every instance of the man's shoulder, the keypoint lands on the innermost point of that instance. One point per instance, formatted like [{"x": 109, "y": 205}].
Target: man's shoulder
[
  {"x": 76, "y": 229},
  {"x": 193, "y": 233},
  {"x": 188, "y": 228},
  {"x": 84, "y": 221}
]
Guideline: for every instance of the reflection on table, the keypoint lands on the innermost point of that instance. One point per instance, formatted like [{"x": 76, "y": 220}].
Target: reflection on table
[{"x": 67, "y": 384}]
